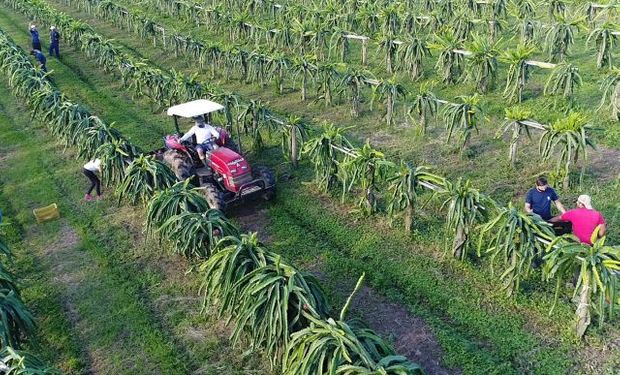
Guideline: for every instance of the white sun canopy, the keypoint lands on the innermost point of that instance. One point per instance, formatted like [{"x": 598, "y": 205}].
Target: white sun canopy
[{"x": 195, "y": 108}]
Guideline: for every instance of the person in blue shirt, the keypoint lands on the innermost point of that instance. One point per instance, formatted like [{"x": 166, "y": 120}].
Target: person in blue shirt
[
  {"x": 54, "y": 42},
  {"x": 538, "y": 200},
  {"x": 36, "y": 42},
  {"x": 40, "y": 58}
]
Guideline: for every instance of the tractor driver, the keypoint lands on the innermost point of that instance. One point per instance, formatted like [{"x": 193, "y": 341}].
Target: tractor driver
[{"x": 205, "y": 136}]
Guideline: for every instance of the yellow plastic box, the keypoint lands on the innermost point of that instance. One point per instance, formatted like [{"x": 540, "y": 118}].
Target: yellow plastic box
[{"x": 46, "y": 213}]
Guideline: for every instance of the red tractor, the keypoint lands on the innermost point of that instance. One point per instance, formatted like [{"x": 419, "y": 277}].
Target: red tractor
[{"x": 227, "y": 179}]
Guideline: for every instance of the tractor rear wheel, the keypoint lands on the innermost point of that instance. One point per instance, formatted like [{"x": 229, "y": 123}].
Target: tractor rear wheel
[
  {"x": 266, "y": 174},
  {"x": 215, "y": 198}
]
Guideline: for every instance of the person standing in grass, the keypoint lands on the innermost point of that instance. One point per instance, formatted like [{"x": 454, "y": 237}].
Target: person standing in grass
[
  {"x": 54, "y": 42},
  {"x": 36, "y": 42},
  {"x": 90, "y": 171},
  {"x": 585, "y": 220},
  {"x": 40, "y": 58}
]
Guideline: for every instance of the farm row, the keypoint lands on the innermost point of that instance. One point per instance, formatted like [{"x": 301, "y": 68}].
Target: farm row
[
  {"x": 18, "y": 324},
  {"x": 240, "y": 267},
  {"x": 475, "y": 60},
  {"x": 460, "y": 119},
  {"x": 366, "y": 169}
]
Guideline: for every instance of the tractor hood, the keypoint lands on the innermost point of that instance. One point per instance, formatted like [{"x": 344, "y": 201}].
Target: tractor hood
[
  {"x": 226, "y": 160},
  {"x": 226, "y": 155}
]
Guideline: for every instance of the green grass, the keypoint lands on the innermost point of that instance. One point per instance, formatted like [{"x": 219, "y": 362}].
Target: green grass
[
  {"x": 85, "y": 259},
  {"x": 106, "y": 300},
  {"x": 477, "y": 328},
  {"x": 488, "y": 153}
]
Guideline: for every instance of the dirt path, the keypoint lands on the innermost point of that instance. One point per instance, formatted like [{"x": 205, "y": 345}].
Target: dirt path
[
  {"x": 67, "y": 263},
  {"x": 411, "y": 336},
  {"x": 125, "y": 303},
  {"x": 604, "y": 163}
]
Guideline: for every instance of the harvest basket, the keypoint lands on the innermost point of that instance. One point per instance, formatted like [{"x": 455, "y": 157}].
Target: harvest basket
[{"x": 46, "y": 213}]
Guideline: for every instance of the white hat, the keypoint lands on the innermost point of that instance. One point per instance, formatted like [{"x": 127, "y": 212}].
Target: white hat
[
  {"x": 33, "y": 27},
  {"x": 52, "y": 27},
  {"x": 585, "y": 200}
]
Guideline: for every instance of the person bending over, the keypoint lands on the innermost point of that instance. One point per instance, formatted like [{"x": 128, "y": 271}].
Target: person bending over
[
  {"x": 585, "y": 220},
  {"x": 40, "y": 57},
  {"x": 205, "y": 134},
  {"x": 90, "y": 171}
]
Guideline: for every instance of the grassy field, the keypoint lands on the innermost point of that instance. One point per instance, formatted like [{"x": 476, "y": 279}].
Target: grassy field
[
  {"x": 487, "y": 152},
  {"x": 478, "y": 329},
  {"x": 105, "y": 302}
]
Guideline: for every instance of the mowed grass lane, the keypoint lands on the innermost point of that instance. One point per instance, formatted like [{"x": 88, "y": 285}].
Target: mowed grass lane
[
  {"x": 515, "y": 343},
  {"x": 509, "y": 354},
  {"x": 130, "y": 307},
  {"x": 80, "y": 79}
]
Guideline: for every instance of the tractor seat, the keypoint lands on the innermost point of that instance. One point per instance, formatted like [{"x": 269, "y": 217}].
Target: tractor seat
[{"x": 204, "y": 171}]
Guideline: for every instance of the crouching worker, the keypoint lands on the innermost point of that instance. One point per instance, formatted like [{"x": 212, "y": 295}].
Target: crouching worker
[
  {"x": 205, "y": 136},
  {"x": 585, "y": 220},
  {"x": 90, "y": 171},
  {"x": 40, "y": 58}
]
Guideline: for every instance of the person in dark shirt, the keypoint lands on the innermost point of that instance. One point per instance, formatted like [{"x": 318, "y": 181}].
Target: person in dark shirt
[
  {"x": 36, "y": 42},
  {"x": 40, "y": 58},
  {"x": 54, "y": 42},
  {"x": 539, "y": 198}
]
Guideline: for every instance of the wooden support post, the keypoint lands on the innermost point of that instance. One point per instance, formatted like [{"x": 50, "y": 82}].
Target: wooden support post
[
  {"x": 199, "y": 10},
  {"x": 163, "y": 34},
  {"x": 124, "y": 12}
]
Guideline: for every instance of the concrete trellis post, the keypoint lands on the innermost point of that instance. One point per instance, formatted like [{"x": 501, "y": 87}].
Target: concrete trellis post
[
  {"x": 364, "y": 40},
  {"x": 163, "y": 35},
  {"x": 364, "y": 51},
  {"x": 199, "y": 10},
  {"x": 540, "y": 64}
]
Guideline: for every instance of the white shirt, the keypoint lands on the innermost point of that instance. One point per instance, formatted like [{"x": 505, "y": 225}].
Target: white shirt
[
  {"x": 93, "y": 165},
  {"x": 202, "y": 134}
]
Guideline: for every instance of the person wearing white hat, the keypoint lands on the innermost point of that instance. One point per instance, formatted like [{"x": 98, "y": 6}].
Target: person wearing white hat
[
  {"x": 36, "y": 42},
  {"x": 205, "y": 138},
  {"x": 585, "y": 219},
  {"x": 54, "y": 42}
]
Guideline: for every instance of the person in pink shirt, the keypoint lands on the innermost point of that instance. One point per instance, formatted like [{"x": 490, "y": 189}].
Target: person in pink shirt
[{"x": 585, "y": 219}]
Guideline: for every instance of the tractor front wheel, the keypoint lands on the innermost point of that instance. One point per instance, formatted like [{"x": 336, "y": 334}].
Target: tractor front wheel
[
  {"x": 269, "y": 179},
  {"x": 215, "y": 198}
]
